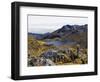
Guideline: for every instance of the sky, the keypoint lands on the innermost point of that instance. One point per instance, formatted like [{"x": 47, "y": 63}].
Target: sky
[{"x": 43, "y": 24}]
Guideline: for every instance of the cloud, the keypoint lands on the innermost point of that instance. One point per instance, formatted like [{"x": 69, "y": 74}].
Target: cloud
[{"x": 44, "y": 24}]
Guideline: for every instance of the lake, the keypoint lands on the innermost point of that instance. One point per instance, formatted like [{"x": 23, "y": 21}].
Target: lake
[{"x": 59, "y": 43}]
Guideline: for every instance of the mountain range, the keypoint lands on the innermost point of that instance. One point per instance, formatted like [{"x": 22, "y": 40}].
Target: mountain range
[{"x": 74, "y": 33}]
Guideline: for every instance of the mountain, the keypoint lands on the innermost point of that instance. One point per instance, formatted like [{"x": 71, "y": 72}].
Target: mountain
[
  {"x": 37, "y": 36},
  {"x": 71, "y": 29},
  {"x": 66, "y": 30},
  {"x": 70, "y": 33}
]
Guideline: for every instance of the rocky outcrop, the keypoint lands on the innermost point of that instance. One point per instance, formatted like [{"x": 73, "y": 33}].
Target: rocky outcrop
[
  {"x": 56, "y": 56},
  {"x": 40, "y": 61}
]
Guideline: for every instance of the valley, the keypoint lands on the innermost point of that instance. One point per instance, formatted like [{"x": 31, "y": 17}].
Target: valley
[{"x": 64, "y": 46}]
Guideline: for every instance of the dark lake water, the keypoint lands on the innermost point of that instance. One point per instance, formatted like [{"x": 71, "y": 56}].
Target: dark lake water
[{"x": 59, "y": 43}]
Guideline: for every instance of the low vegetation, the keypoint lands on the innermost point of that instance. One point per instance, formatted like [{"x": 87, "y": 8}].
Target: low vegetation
[{"x": 38, "y": 51}]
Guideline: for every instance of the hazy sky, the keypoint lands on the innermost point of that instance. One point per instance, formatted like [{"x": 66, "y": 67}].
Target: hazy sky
[{"x": 44, "y": 24}]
